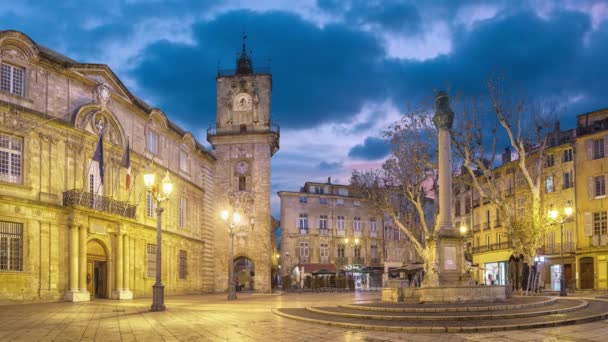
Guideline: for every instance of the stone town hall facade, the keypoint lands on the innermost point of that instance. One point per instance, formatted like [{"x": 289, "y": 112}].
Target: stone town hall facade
[{"x": 65, "y": 234}]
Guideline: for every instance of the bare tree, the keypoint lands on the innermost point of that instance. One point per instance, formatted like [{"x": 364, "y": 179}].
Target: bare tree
[
  {"x": 402, "y": 186},
  {"x": 526, "y": 127}
]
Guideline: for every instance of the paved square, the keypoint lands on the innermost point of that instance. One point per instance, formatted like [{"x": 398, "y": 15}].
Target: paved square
[{"x": 212, "y": 318}]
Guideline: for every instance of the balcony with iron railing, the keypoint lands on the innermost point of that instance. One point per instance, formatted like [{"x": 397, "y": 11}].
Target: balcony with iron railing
[
  {"x": 493, "y": 247},
  {"x": 556, "y": 248},
  {"x": 341, "y": 260},
  {"x": 303, "y": 230},
  {"x": 358, "y": 261},
  {"x": 323, "y": 231},
  {"x": 81, "y": 198},
  {"x": 266, "y": 127}
]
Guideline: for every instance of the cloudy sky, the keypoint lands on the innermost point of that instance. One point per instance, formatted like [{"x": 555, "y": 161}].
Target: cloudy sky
[{"x": 342, "y": 70}]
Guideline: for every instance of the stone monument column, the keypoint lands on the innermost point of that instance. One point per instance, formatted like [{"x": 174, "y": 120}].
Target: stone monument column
[{"x": 449, "y": 251}]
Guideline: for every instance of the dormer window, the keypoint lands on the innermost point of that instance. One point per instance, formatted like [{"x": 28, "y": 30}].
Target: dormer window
[{"x": 12, "y": 79}]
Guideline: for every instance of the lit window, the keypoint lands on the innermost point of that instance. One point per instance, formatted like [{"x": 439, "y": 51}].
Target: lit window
[
  {"x": 242, "y": 183},
  {"x": 11, "y": 159},
  {"x": 12, "y": 79},
  {"x": 549, "y": 184},
  {"x": 183, "y": 264},
  {"x": 341, "y": 250}
]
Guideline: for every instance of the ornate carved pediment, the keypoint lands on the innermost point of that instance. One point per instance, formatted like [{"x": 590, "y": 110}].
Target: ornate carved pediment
[{"x": 92, "y": 118}]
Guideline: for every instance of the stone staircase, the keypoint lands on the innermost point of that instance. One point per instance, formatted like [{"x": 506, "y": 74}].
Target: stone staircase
[{"x": 513, "y": 313}]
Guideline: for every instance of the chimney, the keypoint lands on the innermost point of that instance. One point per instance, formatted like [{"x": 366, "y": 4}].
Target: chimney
[
  {"x": 328, "y": 180},
  {"x": 506, "y": 156}
]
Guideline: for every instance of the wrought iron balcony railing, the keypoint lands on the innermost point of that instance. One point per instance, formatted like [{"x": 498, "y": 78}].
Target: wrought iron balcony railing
[
  {"x": 266, "y": 127},
  {"x": 89, "y": 200},
  {"x": 493, "y": 247},
  {"x": 556, "y": 248},
  {"x": 358, "y": 261}
]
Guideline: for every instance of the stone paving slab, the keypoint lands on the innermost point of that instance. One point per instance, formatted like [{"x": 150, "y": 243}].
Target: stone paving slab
[{"x": 212, "y": 318}]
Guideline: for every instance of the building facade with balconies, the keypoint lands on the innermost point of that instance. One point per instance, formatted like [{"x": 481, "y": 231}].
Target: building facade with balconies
[
  {"x": 489, "y": 241},
  {"x": 68, "y": 227},
  {"x": 591, "y": 165},
  {"x": 326, "y": 226}
]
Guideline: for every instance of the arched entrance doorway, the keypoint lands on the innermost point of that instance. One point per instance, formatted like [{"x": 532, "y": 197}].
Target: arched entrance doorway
[
  {"x": 244, "y": 271},
  {"x": 586, "y": 273},
  {"x": 97, "y": 270}
]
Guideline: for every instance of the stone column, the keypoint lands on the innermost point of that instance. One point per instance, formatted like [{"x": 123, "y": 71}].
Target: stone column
[
  {"x": 127, "y": 265},
  {"x": 82, "y": 259},
  {"x": 445, "y": 182},
  {"x": 73, "y": 294},
  {"x": 73, "y": 258},
  {"x": 119, "y": 291}
]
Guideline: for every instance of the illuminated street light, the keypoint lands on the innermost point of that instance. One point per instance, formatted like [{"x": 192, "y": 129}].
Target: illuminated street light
[
  {"x": 554, "y": 216},
  {"x": 158, "y": 289},
  {"x": 232, "y": 220}
]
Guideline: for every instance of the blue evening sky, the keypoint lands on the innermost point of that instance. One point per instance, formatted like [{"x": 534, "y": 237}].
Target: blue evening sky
[{"x": 342, "y": 70}]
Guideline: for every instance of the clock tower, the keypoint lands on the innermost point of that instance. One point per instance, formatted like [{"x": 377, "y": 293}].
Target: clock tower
[{"x": 244, "y": 140}]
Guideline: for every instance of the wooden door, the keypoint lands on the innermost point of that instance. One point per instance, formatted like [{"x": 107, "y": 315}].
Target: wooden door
[{"x": 586, "y": 273}]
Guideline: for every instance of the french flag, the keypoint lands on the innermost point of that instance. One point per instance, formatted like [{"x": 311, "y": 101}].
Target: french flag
[{"x": 126, "y": 163}]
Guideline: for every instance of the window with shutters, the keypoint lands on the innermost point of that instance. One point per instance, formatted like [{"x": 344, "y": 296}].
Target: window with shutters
[
  {"x": 598, "y": 148},
  {"x": 151, "y": 258},
  {"x": 11, "y": 159},
  {"x": 600, "y": 223},
  {"x": 12, "y": 79},
  {"x": 11, "y": 246}
]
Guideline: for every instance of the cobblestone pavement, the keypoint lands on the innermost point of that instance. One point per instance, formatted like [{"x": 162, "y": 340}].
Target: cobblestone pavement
[{"x": 212, "y": 318}]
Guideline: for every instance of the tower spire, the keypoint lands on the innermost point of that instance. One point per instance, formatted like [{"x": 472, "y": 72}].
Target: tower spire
[{"x": 244, "y": 66}]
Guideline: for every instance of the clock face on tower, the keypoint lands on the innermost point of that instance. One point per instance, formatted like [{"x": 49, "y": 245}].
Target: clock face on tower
[
  {"x": 242, "y": 168},
  {"x": 241, "y": 102}
]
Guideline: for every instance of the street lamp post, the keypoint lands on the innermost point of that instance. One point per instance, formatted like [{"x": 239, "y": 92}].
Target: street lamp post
[
  {"x": 158, "y": 289},
  {"x": 232, "y": 220},
  {"x": 554, "y": 215}
]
